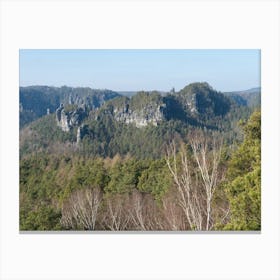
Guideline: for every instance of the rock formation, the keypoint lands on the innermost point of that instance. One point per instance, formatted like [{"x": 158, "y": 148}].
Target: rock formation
[
  {"x": 81, "y": 132},
  {"x": 67, "y": 120},
  {"x": 150, "y": 114},
  {"x": 192, "y": 104}
]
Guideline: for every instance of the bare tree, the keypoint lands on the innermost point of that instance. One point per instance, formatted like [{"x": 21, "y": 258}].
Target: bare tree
[
  {"x": 80, "y": 209},
  {"x": 135, "y": 211},
  {"x": 116, "y": 215},
  {"x": 188, "y": 198},
  {"x": 145, "y": 214},
  {"x": 207, "y": 154},
  {"x": 196, "y": 186},
  {"x": 173, "y": 216}
]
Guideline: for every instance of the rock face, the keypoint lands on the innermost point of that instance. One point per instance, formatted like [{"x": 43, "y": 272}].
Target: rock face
[
  {"x": 142, "y": 109},
  {"x": 90, "y": 99},
  {"x": 61, "y": 118},
  {"x": 81, "y": 132},
  {"x": 67, "y": 120},
  {"x": 191, "y": 104},
  {"x": 150, "y": 114}
]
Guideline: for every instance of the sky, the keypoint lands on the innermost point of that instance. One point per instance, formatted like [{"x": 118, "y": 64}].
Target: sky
[{"x": 134, "y": 70}]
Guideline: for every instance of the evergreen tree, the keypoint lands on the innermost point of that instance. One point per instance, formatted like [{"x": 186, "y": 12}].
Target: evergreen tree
[{"x": 244, "y": 186}]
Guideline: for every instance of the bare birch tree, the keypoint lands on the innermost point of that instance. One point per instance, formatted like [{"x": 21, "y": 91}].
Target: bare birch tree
[
  {"x": 137, "y": 212},
  {"x": 195, "y": 194},
  {"x": 207, "y": 154},
  {"x": 144, "y": 212},
  {"x": 115, "y": 215},
  {"x": 188, "y": 196},
  {"x": 173, "y": 216},
  {"x": 80, "y": 209}
]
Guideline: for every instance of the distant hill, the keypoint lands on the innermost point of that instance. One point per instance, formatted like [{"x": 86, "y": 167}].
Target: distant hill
[
  {"x": 127, "y": 93},
  {"x": 250, "y": 97},
  {"x": 202, "y": 99},
  {"x": 37, "y": 101},
  {"x": 131, "y": 93}
]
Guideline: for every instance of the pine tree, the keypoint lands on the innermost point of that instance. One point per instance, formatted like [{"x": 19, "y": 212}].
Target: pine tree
[{"x": 244, "y": 179}]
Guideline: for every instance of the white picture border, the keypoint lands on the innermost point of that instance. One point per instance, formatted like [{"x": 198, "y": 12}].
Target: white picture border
[{"x": 134, "y": 24}]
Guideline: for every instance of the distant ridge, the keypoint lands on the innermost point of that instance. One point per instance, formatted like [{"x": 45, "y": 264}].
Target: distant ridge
[
  {"x": 251, "y": 90},
  {"x": 250, "y": 97}
]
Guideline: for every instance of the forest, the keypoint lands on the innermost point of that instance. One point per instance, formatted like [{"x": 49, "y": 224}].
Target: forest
[{"x": 194, "y": 165}]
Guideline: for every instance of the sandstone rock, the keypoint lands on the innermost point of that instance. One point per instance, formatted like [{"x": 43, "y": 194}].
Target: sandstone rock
[
  {"x": 149, "y": 114},
  {"x": 191, "y": 104},
  {"x": 67, "y": 120},
  {"x": 81, "y": 132}
]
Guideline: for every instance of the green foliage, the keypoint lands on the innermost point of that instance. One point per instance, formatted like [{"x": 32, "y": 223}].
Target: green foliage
[
  {"x": 43, "y": 218},
  {"x": 107, "y": 137},
  {"x": 26, "y": 117},
  {"x": 118, "y": 102},
  {"x": 124, "y": 176},
  {"x": 253, "y": 128},
  {"x": 245, "y": 202},
  {"x": 87, "y": 173},
  {"x": 143, "y": 99},
  {"x": 244, "y": 175},
  {"x": 70, "y": 108},
  {"x": 156, "y": 179},
  {"x": 44, "y": 135},
  {"x": 47, "y": 181},
  {"x": 248, "y": 155}
]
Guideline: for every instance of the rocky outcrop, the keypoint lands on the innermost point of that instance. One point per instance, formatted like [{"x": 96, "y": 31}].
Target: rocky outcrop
[
  {"x": 35, "y": 100},
  {"x": 67, "y": 120},
  {"x": 191, "y": 104},
  {"x": 150, "y": 114},
  {"x": 201, "y": 101},
  {"x": 142, "y": 109},
  {"x": 88, "y": 98},
  {"x": 81, "y": 132},
  {"x": 61, "y": 118}
]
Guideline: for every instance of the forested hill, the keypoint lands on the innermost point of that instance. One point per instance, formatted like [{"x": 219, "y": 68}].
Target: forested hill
[
  {"x": 103, "y": 123},
  {"x": 250, "y": 97},
  {"x": 37, "y": 101}
]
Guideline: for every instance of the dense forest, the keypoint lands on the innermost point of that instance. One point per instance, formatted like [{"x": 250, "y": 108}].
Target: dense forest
[{"x": 97, "y": 160}]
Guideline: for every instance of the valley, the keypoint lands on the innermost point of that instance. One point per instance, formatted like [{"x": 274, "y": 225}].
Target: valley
[{"x": 97, "y": 160}]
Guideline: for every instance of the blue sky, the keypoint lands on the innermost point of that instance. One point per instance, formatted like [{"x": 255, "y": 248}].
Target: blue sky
[{"x": 133, "y": 70}]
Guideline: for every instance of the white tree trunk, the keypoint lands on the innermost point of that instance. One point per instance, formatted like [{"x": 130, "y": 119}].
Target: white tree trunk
[{"x": 196, "y": 186}]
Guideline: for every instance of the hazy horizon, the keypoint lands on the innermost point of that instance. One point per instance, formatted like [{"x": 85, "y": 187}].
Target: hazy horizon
[
  {"x": 136, "y": 70},
  {"x": 148, "y": 90}
]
